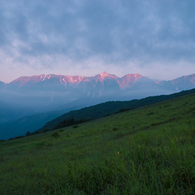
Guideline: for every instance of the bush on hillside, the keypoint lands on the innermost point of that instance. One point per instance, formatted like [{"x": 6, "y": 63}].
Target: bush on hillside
[
  {"x": 28, "y": 133},
  {"x": 55, "y": 134},
  {"x": 75, "y": 126}
]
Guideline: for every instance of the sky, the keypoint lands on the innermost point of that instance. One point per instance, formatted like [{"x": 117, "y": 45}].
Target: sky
[{"x": 155, "y": 38}]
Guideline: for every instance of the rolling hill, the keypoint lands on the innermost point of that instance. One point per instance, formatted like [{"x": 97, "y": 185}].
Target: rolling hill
[
  {"x": 50, "y": 120},
  {"x": 107, "y": 108}
]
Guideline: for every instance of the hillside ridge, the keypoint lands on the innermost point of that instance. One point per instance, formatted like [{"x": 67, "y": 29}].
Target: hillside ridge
[{"x": 111, "y": 107}]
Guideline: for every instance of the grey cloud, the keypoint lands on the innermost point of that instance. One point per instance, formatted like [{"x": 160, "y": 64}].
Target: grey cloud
[{"x": 144, "y": 30}]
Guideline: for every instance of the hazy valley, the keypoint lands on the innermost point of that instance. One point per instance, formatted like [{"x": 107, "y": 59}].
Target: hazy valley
[{"x": 33, "y": 101}]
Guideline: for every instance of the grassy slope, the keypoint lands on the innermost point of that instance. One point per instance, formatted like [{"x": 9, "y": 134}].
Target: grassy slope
[
  {"x": 149, "y": 150},
  {"x": 111, "y": 107}
]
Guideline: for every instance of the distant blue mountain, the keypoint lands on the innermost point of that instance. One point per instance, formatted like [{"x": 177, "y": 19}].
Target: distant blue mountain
[
  {"x": 29, "y": 98},
  {"x": 2, "y": 85}
]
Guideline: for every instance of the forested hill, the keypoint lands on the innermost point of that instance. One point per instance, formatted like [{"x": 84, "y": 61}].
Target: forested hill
[{"x": 111, "y": 107}]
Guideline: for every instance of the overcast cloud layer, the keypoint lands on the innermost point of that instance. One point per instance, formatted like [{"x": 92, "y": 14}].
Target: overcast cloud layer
[{"x": 86, "y": 37}]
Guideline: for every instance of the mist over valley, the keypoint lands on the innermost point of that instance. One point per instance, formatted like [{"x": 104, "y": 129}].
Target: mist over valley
[{"x": 30, "y": 102}]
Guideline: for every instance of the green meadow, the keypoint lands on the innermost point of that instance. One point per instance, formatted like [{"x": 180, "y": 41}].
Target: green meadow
[{"x": 148, "y": 150}]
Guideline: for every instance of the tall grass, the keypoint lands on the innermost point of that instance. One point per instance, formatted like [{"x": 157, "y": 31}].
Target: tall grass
[{"x": 133, "y": 152}]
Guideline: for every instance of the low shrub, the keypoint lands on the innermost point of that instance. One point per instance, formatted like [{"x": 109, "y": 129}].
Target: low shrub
[
  {"x": 75, "y": 126},
  {"x": 55, "y": 134},
  {"x": 46, "y": 130},
  {"x": 28, "y": 133},
  {"x": 150, "y": 113}
]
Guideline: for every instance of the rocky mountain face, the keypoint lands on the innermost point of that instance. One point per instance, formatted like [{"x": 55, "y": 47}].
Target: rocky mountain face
[
  {"x": 2, "y": 85},
  {"x": 184, "y": 82},
  {"x": 95, "y": 85},
  {"x": 179, "y": 84},
  {"x": 35, "y": 94},
  {"x": 103, "y": 84},
  {"x": 86, "y": 84}
]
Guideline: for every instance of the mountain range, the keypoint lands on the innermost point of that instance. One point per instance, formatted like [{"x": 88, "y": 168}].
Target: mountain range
[
  {"x": 95, "y": 85},
  {"x": 43, "y": 93},
  {"x": 45, "y": 97}
]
